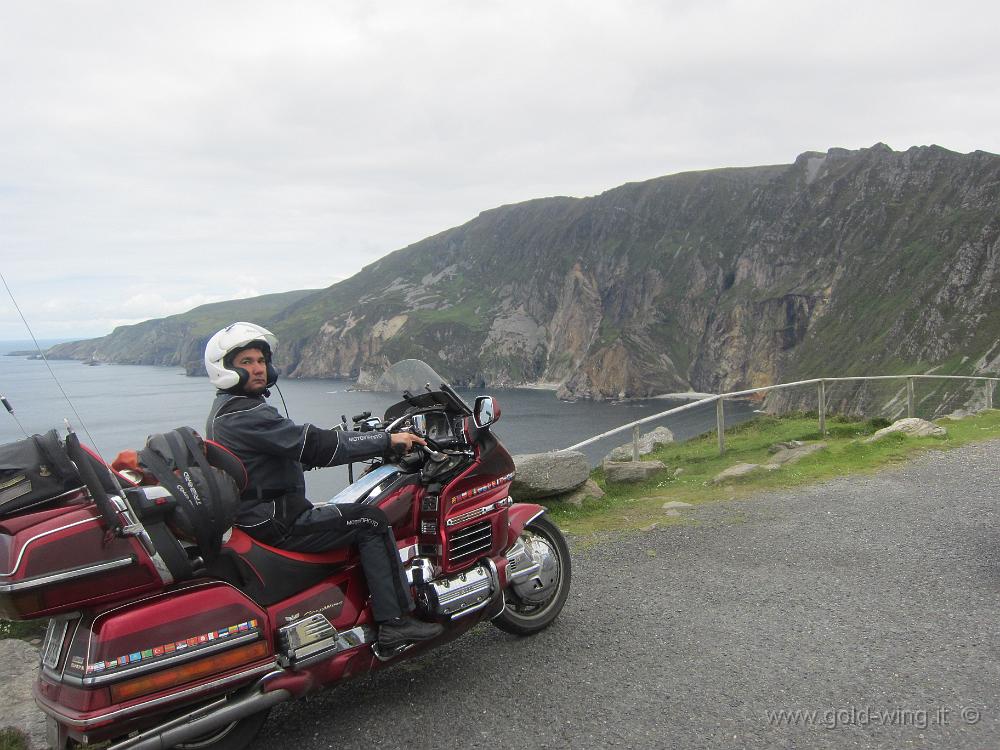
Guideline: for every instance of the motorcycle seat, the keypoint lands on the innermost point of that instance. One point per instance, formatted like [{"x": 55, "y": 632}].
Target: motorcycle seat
[{"x": 241, "y": 542}]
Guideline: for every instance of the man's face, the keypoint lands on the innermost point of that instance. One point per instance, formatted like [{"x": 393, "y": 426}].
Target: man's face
[{"x": 253, "y": 361}]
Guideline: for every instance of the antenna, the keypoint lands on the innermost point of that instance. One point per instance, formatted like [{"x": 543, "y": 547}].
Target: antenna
[
  {"x": 10, "y": 409},
  {"x": 38, "y": 348}
]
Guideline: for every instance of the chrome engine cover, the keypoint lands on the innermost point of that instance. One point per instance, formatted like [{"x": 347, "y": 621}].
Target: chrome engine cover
[
  {"x": 460, "y": 594},
  {"x": 532, "y": 569}
]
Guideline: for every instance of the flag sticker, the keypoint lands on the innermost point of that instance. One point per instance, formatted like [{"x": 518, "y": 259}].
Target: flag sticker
[{"x": 194, "y": 643}]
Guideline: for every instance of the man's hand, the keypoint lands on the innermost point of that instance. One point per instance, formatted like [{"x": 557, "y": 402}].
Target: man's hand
[{"x": 403, "y": 442}]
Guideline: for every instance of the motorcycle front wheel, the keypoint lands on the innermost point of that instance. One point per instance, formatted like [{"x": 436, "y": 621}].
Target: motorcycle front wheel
[{"x": 532, "y": 605}]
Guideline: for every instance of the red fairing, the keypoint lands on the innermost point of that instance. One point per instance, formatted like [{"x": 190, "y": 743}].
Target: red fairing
[
  {"x": 520, "y": 514},
  {"x": 471, "y": 520}
]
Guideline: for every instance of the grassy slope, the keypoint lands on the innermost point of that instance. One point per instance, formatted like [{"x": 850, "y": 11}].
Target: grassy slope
[{"x": 635, "y": 506}]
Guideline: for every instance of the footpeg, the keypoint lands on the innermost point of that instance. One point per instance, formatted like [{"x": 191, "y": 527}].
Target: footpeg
[{"x": 385, "y": 654}]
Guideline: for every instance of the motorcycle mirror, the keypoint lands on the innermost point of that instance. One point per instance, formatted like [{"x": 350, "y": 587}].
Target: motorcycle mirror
[
  {"x": 486, "y": 411},
  {"x": 419, "y": 422}
]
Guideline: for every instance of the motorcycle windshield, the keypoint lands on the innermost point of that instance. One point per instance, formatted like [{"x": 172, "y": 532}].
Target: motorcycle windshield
[
  {"x": 411, "y": 375},
  {"x": 421, "y": 388}
]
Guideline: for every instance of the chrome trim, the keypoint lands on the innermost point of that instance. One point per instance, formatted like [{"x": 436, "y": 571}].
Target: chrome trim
[
  {"x": 306, "y": 631},
  {"x": 470, "y": 515},
  {"x": 517, "y": 556},
  {"x": 55, "y": 638},
  {"x": 154, "y": 555},
  {"x": 472, "y": 609},
  {"x": 24, "y": 547},
  {"x": 58, "y": 674},
  {"x": 408, "y": 553},
  {"x": 472, "y": 540},
  {"x": 535, "y": 588},
  {"x": 103, "y": 678},
  {"x": 534, "y": 517},
  {"x": 346, "y": 639},
  {"x": 67, "y": 575},
  {"x": 47, "y": 500},
  {"x": 85, "y": 724},
  {"x": 364, "y": 486},
  {"x": 422, "y": 565},
  {"x": 315, "y": 638}
]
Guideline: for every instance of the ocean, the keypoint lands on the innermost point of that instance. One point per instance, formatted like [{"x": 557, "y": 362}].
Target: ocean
[{"x": 115, "y": 408}]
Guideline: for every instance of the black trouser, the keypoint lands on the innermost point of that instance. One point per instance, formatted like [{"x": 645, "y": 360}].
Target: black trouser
[{"x": 332, "y": 526}]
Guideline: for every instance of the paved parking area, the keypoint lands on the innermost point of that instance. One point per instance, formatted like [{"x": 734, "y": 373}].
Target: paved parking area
[{"x": 863, "y": 612}]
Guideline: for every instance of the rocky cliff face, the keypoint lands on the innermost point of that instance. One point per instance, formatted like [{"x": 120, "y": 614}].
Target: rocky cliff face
[
  {"x": 842, "y": 262},
  {"x": 178, "y": 340}
]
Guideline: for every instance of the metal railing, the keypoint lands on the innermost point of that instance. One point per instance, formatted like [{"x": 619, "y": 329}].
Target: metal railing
[{"x": 720, "y": 412}]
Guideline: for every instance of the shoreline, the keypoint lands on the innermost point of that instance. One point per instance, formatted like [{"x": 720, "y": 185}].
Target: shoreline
[
  {"x": 540, "y": 386},
  {"x": 685, "y": 396}
]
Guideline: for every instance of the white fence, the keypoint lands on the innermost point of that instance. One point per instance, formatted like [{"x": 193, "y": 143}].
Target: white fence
[{"x": 989, "y": 384}]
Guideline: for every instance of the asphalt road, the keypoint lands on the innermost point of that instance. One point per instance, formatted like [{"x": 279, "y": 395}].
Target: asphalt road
[{"x": 873, "y": 602}]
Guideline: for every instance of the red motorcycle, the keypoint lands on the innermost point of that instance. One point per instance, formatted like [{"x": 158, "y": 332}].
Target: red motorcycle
[{"x": 150, "y": 646}]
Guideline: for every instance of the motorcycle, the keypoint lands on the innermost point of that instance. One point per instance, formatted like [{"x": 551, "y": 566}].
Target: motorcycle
[{"x": 148, "y": 646}]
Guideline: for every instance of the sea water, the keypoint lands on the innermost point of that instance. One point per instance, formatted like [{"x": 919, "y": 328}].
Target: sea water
[{"x": 115, "y": 408}]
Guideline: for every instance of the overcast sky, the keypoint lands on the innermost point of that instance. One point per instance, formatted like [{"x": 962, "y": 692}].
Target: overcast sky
[{"x": 158, "y": 155}]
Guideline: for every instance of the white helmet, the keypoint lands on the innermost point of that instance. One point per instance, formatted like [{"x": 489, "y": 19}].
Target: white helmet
[{"x": 231, "y": 339}]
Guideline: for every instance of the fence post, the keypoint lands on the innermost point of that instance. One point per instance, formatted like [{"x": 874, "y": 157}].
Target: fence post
[
  {"x": 989, "y": 393},
  {"x": 720, "y": 424},
  {"x": 909, "y": 397},
  {"x": 822, "y": 407},
  {"x": 635, "y": 442}
]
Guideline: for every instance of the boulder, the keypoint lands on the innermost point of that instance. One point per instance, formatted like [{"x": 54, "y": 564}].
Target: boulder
[
  {"x": 791, "y": 455},
  {"x": 911, "y": 427},
  {"x": 787, "y": 445},
  {"x": 589, "y": 490},
  {"x": 647, "y": 444},
  {"x": 631, "y": 471},
  {"x": 547, "y": 474},
  {"x": 18, "y": 667},
  {"x": 738, "y": 470}
]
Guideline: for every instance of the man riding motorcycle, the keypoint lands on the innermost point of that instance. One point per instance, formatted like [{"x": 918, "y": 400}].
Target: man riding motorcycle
[{"x": 274, "y": 450}]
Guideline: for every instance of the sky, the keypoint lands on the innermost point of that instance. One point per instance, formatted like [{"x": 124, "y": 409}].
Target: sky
[{"x": 155, "y": 156}]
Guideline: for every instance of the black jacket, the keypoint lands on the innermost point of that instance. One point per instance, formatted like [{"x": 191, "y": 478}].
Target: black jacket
[{"x": 275, "y": 450}]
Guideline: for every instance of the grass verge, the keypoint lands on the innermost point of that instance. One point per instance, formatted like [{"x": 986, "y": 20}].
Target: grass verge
[
  {"x": 13, "y": 739},
  {"x": 636, "y": 506},
  {"x": 26, "y": 631}
]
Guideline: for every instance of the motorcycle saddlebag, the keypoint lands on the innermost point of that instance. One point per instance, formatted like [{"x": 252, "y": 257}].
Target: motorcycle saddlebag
[
  {"x": 33, "y": 472},
  {"x": 154, "y": 651},
  {"x": 60, "y": 559}
]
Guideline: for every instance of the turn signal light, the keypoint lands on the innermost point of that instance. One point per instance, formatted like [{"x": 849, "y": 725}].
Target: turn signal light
[{"x": 195, "y": 670}]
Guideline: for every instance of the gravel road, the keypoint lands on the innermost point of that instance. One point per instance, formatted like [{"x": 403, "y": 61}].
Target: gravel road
[{"x": 873, "y": 602}]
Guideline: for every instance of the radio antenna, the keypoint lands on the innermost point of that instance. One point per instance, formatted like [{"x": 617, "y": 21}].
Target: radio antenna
[
  {"x": 38, "y": 348},
  {"x": 10, "y": 409}
]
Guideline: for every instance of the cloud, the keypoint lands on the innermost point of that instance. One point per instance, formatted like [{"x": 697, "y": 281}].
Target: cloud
[{"x": 199, "y": 144}]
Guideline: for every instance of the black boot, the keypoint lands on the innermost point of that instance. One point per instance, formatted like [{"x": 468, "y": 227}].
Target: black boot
[{"x": 395, "y": 633}]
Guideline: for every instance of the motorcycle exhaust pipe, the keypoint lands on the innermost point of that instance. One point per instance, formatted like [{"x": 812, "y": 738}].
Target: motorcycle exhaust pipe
[{"x": 198, "y": 722}]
